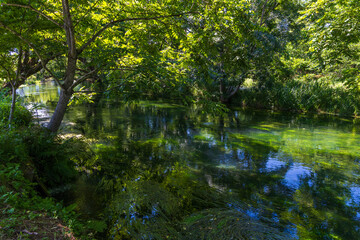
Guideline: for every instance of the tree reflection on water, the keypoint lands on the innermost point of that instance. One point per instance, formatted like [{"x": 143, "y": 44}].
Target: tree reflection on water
[{"x": 161, "y": 171}]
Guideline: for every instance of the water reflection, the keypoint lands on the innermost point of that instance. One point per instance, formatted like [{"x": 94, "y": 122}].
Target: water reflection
[
  {"x": 40, "y": 99},
  {"x": 161, "y": 168},
  {"x": 295, "y": 175}
]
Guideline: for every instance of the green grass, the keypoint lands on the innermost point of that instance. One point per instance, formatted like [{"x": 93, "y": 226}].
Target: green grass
[{"x": 304, "y": 94}]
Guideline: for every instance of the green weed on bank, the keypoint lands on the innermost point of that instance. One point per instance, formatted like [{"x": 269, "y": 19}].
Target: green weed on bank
[
  {"x": 22, "y": 117},
  {"x": 309, "y": 93},
  {"x": 26, "y": 215},
  {"x": 32, "y": 163}
]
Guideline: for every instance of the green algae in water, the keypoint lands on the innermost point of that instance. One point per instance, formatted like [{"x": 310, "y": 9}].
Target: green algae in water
[
  {"x": 295, "y": 175},
  {"x": 229, "y": 224},
  {"x": 284, "y": 172}
]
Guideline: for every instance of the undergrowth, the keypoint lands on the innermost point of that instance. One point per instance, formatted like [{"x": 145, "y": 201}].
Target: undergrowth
[
  {"x": 309, "y": 93},
  {"x": 26, "y": 215},
  {"x": 32, "y": 163},
  {"x": 21, "y": 117}
]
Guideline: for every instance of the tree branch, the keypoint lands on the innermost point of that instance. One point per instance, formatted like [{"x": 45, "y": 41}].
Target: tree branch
[
  {"x": 83, "y": 78},
  {"x": 7, "y": 71},
  {"x": 34, "y": 10},
  {"x": 19, "y": 66},
  {"x": 263, "y": 13},
  {"x": 112, "y": 23},
  {"x": 35, "y": 68},
  {"x": 32, "y": 46},
  {"x": 86, "y": 13},
  {"x": 234, "y": 91}
]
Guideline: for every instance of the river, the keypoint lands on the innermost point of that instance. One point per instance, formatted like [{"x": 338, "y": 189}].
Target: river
[{"x": 164, "y": 171}]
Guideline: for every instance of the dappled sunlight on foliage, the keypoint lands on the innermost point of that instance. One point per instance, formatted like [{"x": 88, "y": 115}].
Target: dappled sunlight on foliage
[{"x": 142, "y": 125}]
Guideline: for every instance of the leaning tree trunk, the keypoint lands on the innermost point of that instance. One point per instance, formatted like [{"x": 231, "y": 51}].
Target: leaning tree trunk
[
  {"x": 67, "y": 86},
  {"x": 60, "y": 110},
  {"x": 226, "y": 97}
]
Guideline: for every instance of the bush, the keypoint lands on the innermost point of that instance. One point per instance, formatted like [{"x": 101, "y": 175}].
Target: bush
[
  {"x": 25, "y": 215},
  {"x": 22, "y": 116},
  {"x": 308, "y": 94},
  {"x": 33, "y": 159},
  {"x": 45, "y": 153}
]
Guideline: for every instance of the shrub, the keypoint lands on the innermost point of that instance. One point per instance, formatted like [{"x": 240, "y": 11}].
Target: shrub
[
  {"x": 45, "y": 153},
  {"x": 29, "y": 159},
  {"x": 22, "y": 116},
  {"x": 26, "y": 215},
  {"x": 308, "y": 94}
]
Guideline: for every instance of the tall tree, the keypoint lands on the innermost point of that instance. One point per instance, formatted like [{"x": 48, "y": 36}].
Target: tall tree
[
  {"x": 17, "y": 60},
  {"x": 82, "y": 24},
  {"x": 333, "y": 29},
  {"x": 235, "y": 40}
]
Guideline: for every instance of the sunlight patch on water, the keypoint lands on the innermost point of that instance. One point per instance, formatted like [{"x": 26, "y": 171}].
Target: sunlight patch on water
[{"x": 225, "y": 166}]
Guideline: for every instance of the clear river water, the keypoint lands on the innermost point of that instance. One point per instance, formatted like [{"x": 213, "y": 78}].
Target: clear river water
[{"x": 159, "y": 170}]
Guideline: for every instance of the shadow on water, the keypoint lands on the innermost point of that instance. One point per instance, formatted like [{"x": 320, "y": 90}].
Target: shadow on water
[{"x": 162, "y": 171}]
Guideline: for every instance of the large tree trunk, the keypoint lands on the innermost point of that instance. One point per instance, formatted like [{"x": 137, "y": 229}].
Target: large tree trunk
[
  {"x": 60, "y": 110},
  {"x": 67, "y": 86}
]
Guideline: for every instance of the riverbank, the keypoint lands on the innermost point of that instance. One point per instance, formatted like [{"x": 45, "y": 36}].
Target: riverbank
[
  {"x": 306, "y": 94},
  {"x": 32, "y": 162},
  {"x": 34, "y": 167},
  {"x": 24, "y": 214},
  {"x": 24, "y": 211}
]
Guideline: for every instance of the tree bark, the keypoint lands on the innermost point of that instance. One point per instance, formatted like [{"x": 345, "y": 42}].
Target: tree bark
[
  {"x": 60, "y": 110},
  {"x": 13, "y": 102},
  {"x": 66, "y": 91},
  {"x": 14, "y": 85},
  {"x": 226, "y": 97}
]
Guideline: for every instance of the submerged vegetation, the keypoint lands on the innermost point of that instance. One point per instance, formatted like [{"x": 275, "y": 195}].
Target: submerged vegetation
[
  {"x": 158, "y": 141},
  {"x": 158, "y": 171}
]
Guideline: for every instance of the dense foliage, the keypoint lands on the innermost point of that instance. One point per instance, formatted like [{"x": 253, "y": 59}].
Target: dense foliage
[
  {"x": 283, "y": 55},
  {"x": 192, "y": 51},
  {"x": 22, "y": 116},
  {"x": 34, "y": 165}
]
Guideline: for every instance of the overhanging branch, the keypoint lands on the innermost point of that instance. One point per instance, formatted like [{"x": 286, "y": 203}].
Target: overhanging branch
[
  {"x": 112, "y": 23},
  {"x": 86, "y": 13},
  {"x": 33, "y": 47},
  {"x": 7, "y": 71},
  {"x": 34, "y": 10},
  {"x": 83, "y": 78}
]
